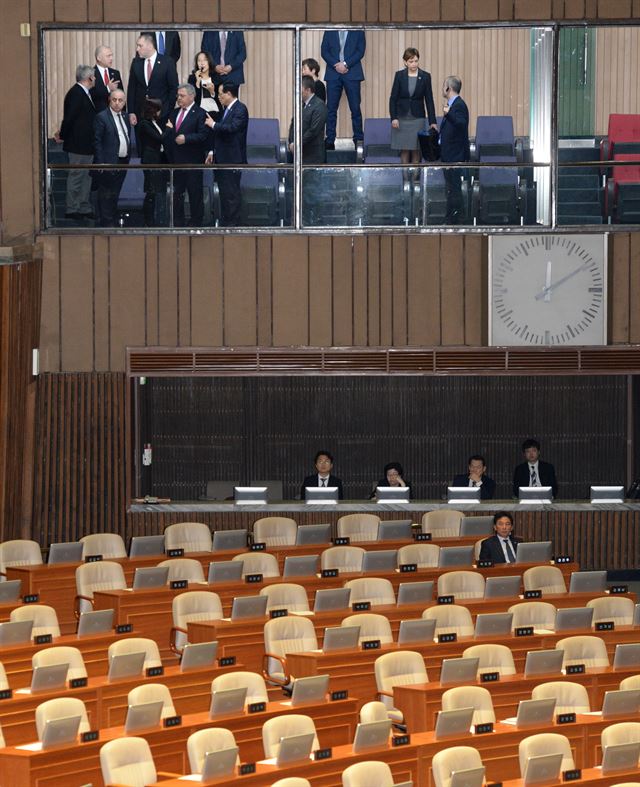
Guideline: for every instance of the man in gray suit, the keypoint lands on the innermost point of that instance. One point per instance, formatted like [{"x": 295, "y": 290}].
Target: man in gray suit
[{"x": 314, "y": 118}]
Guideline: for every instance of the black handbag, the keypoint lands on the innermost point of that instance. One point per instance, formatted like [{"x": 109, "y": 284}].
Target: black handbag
[{"x": 429, "y": 145}]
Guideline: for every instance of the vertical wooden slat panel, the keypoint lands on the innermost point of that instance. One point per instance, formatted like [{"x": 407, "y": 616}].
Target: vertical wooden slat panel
[
  {"x": 475, "y": 310},
  {"x": 423, "y": 290},
  {"x": 386, "y": 291},
  {"x": 76, "y": 303},
  {"x": 101, "y": 311},
  {"x": 50, "y": 306},
  {"x": 452, "y": 284},
  {"x": 399, "y": 279},
  {"x": 290, "y": 288},
  {"x": 619, "y": 319},
  {"x": 320, "y": 293},
  {"x": 127, "y": 296},
  {"x": 206, "y": 291},
  {"x": 360, "y": 288},
  {"x": 373, "y": 297},
  {"x": 634, "y": 287},
  {"x": 240, "y": 324},
  {"x": 168, "y": 289},
  {"x": 342, "y": 291},
  {"x": 264, "y": 268},
  {"x": 184, "y": 291}
]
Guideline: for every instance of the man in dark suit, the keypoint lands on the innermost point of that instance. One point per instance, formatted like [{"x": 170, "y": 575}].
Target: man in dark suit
[
  {"x": 503, "y": 545},
  {"x": 112, "y": 142},
  {"x": 534, "y": 472},
  {"x": 185, "y": 142},
  {"x": 314, "y": 117},
  {"x": 229, "y": 147},
  {"x": 228, "y": 52},
  {"x": 342, "y": 51},
  {"x": 151, "y": 76},
  {"x": 477, "y": 477},
  {"x": 323, "y": 476},
  {"x": 167, "y": 42},
  {"x": 454, "y": 146},
  {"x": 76, "y": 135},
  {"x": 107, "y": 80}
]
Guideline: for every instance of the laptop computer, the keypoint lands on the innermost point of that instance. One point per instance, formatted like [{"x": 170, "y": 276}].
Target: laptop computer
[
  {"x": 453, "y": 723},
  {"x": 300, "y": 566},
  {"x": 340, "y": 638},
  {"x": 126, "y": 665},
  {"x": 98, "y": 622},
  {"x": 468, "y": 777},
  {"x": 69, "y": 552},
  {"x": 392, "y": 494},
  {"x": 250, "y": 495},
  {"x": 151, "y": 577},
  {"x": 534, "y": 552},
  {"x": 143, "y": 717},
  {"x": 197, "y": 655},
  {"x": 543, "y": 662},
  {"x": 587, "y": 581},
  {"x": 455, "y": 556},
  {"x": 535, "y": 713},
  {"x": 621, "y": 702},
  {"x": 396, "y": 530},
  {"x": 16, "y": 633},
  {"x": 60, "y": 732},
  {"x": 230, "y": 539},
  {"x": 313, "y": 534},
  {"x": 380, "y": 560},
  {"x": 371, "y": 735},
  {"x": 294, "y": 748},
  {"x": 329, "y": 599},
  {"x": 225, "y": 571},
  {"x": 493, "y": 624},
  {"x": 459, "y": 495},
  {"x": 543, "y": 768},
  {"x": 146, "y": 546},
  {"x": 219, "y": 763},
  {"x": 626, "y": 655},
  {"x": 459, "y": 670},
  {"x": 415, "y": 593},
  {"x": 620, "y": 757},
  {"x": 321, "y": 495},
  {"x": 227, "y": 702},
  {"x": 419, "y": 630},
  {"x": 476, "y": 526},
  {"x": 249, "y": 607},
  {"x": 49, "y": 678},
  {"x": 607, "y": 495},
  {"x": 535, "y": 494},
  {"x": 569, "y": 618},
  {"x": 10, "y": 590},
  {"x": 499, "y": 587},
  {"x": 311, "y": 689}
]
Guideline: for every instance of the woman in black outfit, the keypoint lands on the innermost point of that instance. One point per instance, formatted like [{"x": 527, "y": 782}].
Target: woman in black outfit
[
  {"x": 149, "y": 136},
  {"x": 393, "y": 476},
  {"x": 202, "y": 79}
]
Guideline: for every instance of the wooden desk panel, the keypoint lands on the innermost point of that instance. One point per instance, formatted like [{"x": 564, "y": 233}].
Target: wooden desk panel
[{"x": 590, "y": 776}]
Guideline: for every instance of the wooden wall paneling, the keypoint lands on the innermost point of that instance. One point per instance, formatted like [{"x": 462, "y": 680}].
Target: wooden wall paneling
[
  {"x": 373, "y": 290},
  {"x": 475, "y": 291},
  {"x": 452, "y": 287},
  {"x": 152, "y": 284},
  {"x": 236, "y": 10},
  {"x": 239, "y": 261},
  {"x": 386, "y": 291},
  {"x": 423, "y": 290},
  {"x": 318, "y": 11},
  {"x": 76, "y": 302},
  {"x": 127, "y": 296},
  {"x": 360, "y": 292},
  {"x": 264, "y": 287},
  {"x": 163, "y": 11},
  {"x": 290, "y": 291},
  {"x": 168, "y": 285},
  {"x": 201, "y": 11},
  {"x": 399, "y": 289},
  {"x": 634, "y": 287},
  {"x": 619, "y": 286},
  {"x": 100, "y": 328},
  {"x": 50, "y": 305},
  {"x": 320, "y": 291},
  {"x": 122, "y": 11},
  {"x": 184, "y": 291},
  {"x": 206, "y": 291},
  {"x": 342, "y": 290}
]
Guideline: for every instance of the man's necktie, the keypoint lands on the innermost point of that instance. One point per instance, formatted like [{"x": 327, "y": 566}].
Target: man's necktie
[
  {"x": 534, "y": 477},
  {"x": 161, "y": 43},
  {"x": 106, "y": 77},
  {"x": 180, "y": 119},
  {"x": 223, "y": 46},
  {"x": 324, "y": 481},
  {"x": 343, "y": 40},
  {"x": 511, "y": 557},
  {"x": 149, "y": 70},
  {"x": 474, "y": 483},
  {"x": 123, "y": 127}
]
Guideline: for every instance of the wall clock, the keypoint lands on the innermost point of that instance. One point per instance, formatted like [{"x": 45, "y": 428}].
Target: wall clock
[{"x": 547, "y": 290}]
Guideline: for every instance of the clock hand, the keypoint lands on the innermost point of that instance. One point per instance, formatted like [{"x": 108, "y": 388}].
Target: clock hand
[
  {"x": 547, "y": 283},
  {"x": 552, "y": 287}
]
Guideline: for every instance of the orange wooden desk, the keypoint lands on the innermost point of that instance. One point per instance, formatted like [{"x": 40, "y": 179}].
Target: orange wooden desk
[{"x": 590, "y": 776}]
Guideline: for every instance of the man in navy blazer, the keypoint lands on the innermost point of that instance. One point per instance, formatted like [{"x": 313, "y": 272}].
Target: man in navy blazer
[
  {"x": 477, "y": 477},
  {"x": 107, "y": 78},
  {"x": 151, "y": 76},
  {"x": 185, "y": 142},
  {"x": 228, "y": 52},
  {"x": 454, "y": 145},
  {"x": 323, "y": 475},
  {"x": 503, "y": 545},
  {"x": 112, "y": 144},
  {"x": 533, "y": 471},
  {"x": 342, "y": 51},
  {"x": 167, "y": 42}
]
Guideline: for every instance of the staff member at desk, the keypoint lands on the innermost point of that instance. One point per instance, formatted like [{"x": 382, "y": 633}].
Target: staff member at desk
[
  {"x": 503, "y": 545},
  {"x": 533, "y": 471},
  {"x": 323, "y": 477},
  {"x": 393, "y": 476},
  {"x": 477, "y": 477}
]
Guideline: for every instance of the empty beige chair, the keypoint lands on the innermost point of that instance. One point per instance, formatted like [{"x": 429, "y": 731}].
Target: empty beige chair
[
  {"x": 450, "y": 618},
  {"x": 290, "y": 634},
  {"x": 19, "y": 552},
  {"x": 455, "y": 758},
  {"x": 242, "y": 679},
  {"x": 190, "y": 536},
  {"x": 183, "y": 568},
  {"x": 621, "y": 784},
  {"x": 570, "y": 697},
  {"x": 461, "y": 584},
  {"x": 91, "y": 577},
  {"x": 377, "y": 590},
  {"x": 359, "y": 527},
  {"x": 62, "y": 654},
  {"x": 539, "y": 614},
  {"x": 286, "y": 595},
  {"x": 189, "y": 607},
  {"x": 442, "y": 524},
  {"x": 4, "y": 683},
  {"x": 153, "y": 692},
  {"x": 45, "y": 620},
  {"x": 127, "y": 762},
  {"x": 348, "y": 560},
  {"x": 296, "y": 781},
  {"x": 203, "y": 741},
  {"x": 423, "y": 555},
  {"x": 545, "y": 743},
  {"x": 61, "y": 708},
  {"x": 402, "y": 668},
  {"x": 373, "y": 711},
  {"x": 623, "y": 732},
  {"x": 491, "y": 658},
  {"x": 476, "y": 549},
  {"x": 548, "y": 579},
  {"x": 258, "y": 563},
  {"x": 109, "y": 545},
  {"x": 617, "y": 609},
  {"x": 284, "y": 726},
  {"x": 632, "y": 682},
  {"x": 367, "y": 774},
  {"x": 587, "y": 650},
  {"x": 275, "y": 531},
  {"x": 144, "y": 645},
  {"x": 372, "y": 626},
  {"x": 475, "y": 697}
]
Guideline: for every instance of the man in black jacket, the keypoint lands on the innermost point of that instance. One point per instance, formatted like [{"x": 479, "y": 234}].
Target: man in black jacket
[
  {"x": 454, "y": 146},
  {"x": 534, "y": 472},
  {"x": 314, "y": 118},
  {"x": 107, "y": 79},
  {"x": 323, "y": 477},
  {"x": 151, "y": 76},
  {"x": 503, "y": 545},
  {"x": 477, "y": 477}
]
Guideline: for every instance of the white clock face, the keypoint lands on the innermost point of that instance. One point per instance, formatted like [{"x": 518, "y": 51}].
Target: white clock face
[{"x": 547, "y": 290}]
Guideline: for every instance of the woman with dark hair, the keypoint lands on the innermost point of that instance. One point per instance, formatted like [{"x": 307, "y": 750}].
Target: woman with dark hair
[
  {"x": 393, "y": 476},
  {"x": 149, "y": 137},
  {"x": 202, "y": 79}
]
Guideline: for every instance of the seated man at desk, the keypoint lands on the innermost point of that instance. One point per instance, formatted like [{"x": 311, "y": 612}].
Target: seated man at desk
[
  {"x": 323, "y": 477},
  {"x": 503, "y": 545},
  {"x": 533, "y": 471},
  {"x": 476, "y": 476}
]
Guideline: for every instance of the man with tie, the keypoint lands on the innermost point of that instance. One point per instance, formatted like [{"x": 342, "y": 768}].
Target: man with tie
[
  {"x": 185, "y": 142},
  {"x": 151, "y": 76},
  {"x": 534, "y": 472},
  {"x": 503, "y": 545},
  {"x": 167, "y": 42},
  {"x": 228, "y": 52},
  {"x": 314, "y": 117},
  {"x": 454, "y": 146},
  {"x": 107, "y": 80},
  {"x": 322, "y": 476},
  {"x": 476, "y": 477},
  {"x": 112, "y": 142},
  {"x": 342, "y": 51}
]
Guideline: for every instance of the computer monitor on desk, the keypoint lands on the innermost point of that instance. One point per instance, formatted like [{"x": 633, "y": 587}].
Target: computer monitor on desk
[
  {"x": 535, "y": 494},
  {"x": 392, "y": 494},
  {"x": 250, "y": 495},
  {"x": 463, "y": 495},
  {"x": 321, "y": 495},
  {"x": 607, "y": 495}
]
